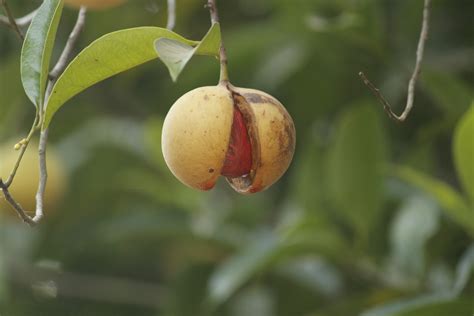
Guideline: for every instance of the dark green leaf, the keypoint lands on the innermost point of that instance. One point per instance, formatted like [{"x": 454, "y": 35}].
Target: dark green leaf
[
  {"x": 447, "y": 91},
  {"x": 241, "y": 267},
  {"x": 427, "y": 305},
  {"x": 37, "y": 49},
  {"x": 356, "y": 161},
  {"x": 463, "y": 149},
  {"x": 464, "y": 270},
  {"x": 452, "y": 203},
  {"x": 442, "y": 303},
  {"x": 415, "y": 223}
]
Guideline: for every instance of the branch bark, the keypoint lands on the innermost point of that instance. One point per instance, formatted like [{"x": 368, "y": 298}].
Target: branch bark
[
  {"x": 224, "y": 74},
  {"x": 11, "y": 20},
  {"x": 171, "y": 15},
  {"x": 414, "y": 77},
  {"x": 43, "y": 176},
  {"x": 18, "y": 208},
  {"x": 65, "y": 55},
  {"x": 21, "y": 22},
  {"x": 54, "y": 74},
  {"x": 43, "y": 173}
]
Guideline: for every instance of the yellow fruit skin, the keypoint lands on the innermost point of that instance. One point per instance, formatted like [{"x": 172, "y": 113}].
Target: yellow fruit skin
[
  {"x": 94, "y": 4},
  {"x": 276, "y": 138},
  {"x": 25, "y": 184},
  {"x": 196, "y": 134}
]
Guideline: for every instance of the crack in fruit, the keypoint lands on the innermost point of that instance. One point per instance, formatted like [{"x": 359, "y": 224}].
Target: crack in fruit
[
  {"x": 238, "y": 160},
  {"x": 244, "y": 135}
]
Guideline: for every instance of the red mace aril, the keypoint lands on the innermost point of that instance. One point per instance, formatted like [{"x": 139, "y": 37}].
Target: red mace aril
[{"x": 238, "y": 160}]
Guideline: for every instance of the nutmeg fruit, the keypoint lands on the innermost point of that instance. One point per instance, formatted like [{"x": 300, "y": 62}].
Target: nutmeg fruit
[
  {"x": 243, "y": 134},
  {"x": 94, "y": 4},
  {"x": 24, "y": 185}
]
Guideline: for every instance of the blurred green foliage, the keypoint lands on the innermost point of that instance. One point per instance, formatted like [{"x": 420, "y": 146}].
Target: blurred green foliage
[{"x": 372, "y": 218}]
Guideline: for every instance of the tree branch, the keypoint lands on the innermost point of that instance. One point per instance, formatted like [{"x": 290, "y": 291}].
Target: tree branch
[
  {"x": 43, "y": 176},
  {"x": 414, "y": 77},
  {"x": 53, "y": 76},
  {"x": 224, "y": 75},
  {"x": 43, "y": 173},
  {"x": 171, "y": 15},
  {"x": 23, "y": 145},
  {"x": 11, "y": 20},
  {"x": 21, "y": 22},
  {"x": 71, "y": 42},
  {"x": 18, "y": 208}
]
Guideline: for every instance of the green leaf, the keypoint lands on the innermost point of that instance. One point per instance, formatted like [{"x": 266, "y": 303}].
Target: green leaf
[
  {"x": 355, "y": 166},
  {"x": 448, "y": 302},
  {"x": 109, "y": 55},
  {"x": 233, "y": 273},
  {"x": 415, "y": 223},
  {"x": 447, "y": 91},
  {"x": 176, "y": 54},
  {"x": 463, "y": 150},
  {"x": 308, "y": 174},
  {"x": 257, "y": 300},
  {"x": 464, "y": 270},
  {"x": 37, "y": 49},
  {"x": 211, "y": 43},
  {"x": 452, "y": 203},
  {"x": 427, "y": 305}
]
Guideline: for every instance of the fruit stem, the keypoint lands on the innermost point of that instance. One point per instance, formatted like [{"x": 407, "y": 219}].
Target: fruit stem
[{"x": 224, "y": 74}]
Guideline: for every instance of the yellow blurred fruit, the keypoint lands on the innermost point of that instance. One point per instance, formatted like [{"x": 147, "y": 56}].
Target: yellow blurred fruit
[
  {"x": 242, "y": 134},
  {"x": 25, "y": 183},
  {"x": 94, "y": 4}
]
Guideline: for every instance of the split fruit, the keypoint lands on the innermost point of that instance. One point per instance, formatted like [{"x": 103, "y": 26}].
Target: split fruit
[{"x": 242, "y": 134}]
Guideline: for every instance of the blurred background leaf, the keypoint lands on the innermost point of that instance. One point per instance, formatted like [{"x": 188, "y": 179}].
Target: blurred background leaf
[
  {"x": 355, "y": 167},
  {"x": 463, "y": 152}
]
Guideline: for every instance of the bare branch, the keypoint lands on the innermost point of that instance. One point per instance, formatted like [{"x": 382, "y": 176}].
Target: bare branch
[
  {"x": 71, "y": 42},
  {"x": 26, "y": 20},
  {"x": 43, "y": 176},
  {"x": 18, "y": 208},
  {"x": 211, "y": 5},
  {"x": 43, "y": 173},
  {"x": 41, "y": 186},
  {"x": 23, "y": 146},
  {"x": 21, "y": 22},
  {"x": 54, "y": 74},
  {"x": 11, "y": 19},
  {"x": 416, "y": 72},
  {"x": 224, "y": 75},
  {"x": 171, "y": 15}
]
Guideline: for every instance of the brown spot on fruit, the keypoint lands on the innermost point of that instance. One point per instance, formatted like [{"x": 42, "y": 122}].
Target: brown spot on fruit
[
  {"x": 257, "y": 98},
  {"x": 275, "y": 134}
]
